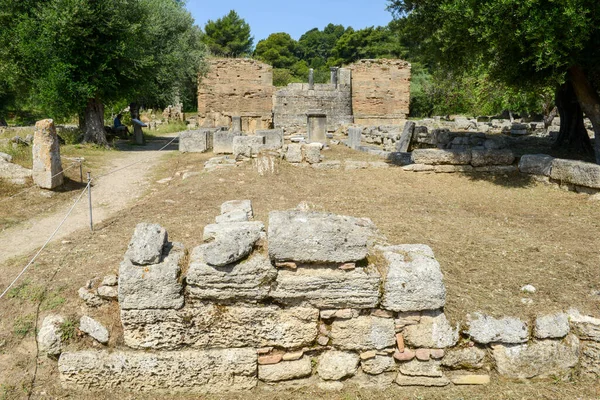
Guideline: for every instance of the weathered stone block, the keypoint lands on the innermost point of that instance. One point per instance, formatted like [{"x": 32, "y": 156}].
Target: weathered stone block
[
  {"x": 363, "y": 333},
  {"x": 328, "y": 288},
  {"x": 146, "y": 245},
  {"x": 153, "y": 286},
  {"x": 403, "y": 144},
  {"x": 584, "y": 326},
  {"x": 335, "y": 365},
  {"x": 590, "y": 360},
  {"x": 273, "y": 138},
  {"x": 467, "y": 358},
  {"x": 198, "y": 141},
  {"x": 14, "y": 173},
  {"x": 248, "y": 280},
  {"x": 421, "y": 368},
  {"x": 551, "y": 326},
  {"x": 414, "y": 280},
  {"x": 223, "y": 142},
  {"x": 378, "y": 365},
  {"x": 536, "y": 164},
  {"x": 538, "y": 359},
  {"x": 405, "y": 380},
  {"x": 294, "y": 153},
  {"x": 435, "y": 157},
  {"x": 354, "y": 136},
  {"x": 485, "y": 329},
  {"x": 367, "y": 381},
  {"x": 247, "y": 146},
  {"x": 238, "y": 205},
  {"x": 470, "y": 379},
  {"x": 491, "y": 157},
  {"x": 576, "y": 172},
  {"x": 231, "y": 242},
  {"x": 285, "y": 370},
  {"x": 49, "y": 336},
  {"x": 311, "y": 153},
  {"x": 94, "y": 328},
  {"x": 218, "y": 326},
  {"x": 208, "y": 371},
  {"x": 433, "y": 331},
  {"x": 315, "y": 237},
  {"x": 47, "y": 167}
]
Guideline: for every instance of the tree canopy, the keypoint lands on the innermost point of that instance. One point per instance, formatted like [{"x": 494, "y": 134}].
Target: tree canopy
[{"x": 228, "y": 36}]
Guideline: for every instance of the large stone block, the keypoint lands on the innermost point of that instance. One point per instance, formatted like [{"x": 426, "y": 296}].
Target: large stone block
[
  {"x": 435, "y": 157},
  {"x": 466, "y": 358},
  {"x": 485, "y": 329},
  {"x": 311, "y": 153},
  {"x": 354, "y": 136},
  {"x": 247, "y": 146},
  {"x": 585, "y": 326},
  {"x": 363, "y": 333},
  {"x": 315, "y": 237},
  {"x": 553, "y": 326},
  {"x": 285, "y": 370},
  {"x": 414, "y": 280},
  {"x": 47, "y": 167},
  {"x": 328, "y": 288},
  {"x": 536, "y": 164},
  {"x": 152, "y": 286},
  {"x": 293, "y": 153},
  {"x": 147, "y": 244},
  {"x": 538, "y": 359},
  {"x": 208, "y": 371},
  {"x": 230, "y": 242},
  {"x": 432, "y": 331},
  {"x": 576, "y": 172},
  {"x": 590, "y": 360},
  {"x": 335, "y": 365},
  {"x": 218, "y": 326},
  {"x": 14, "y": 173},
  {"x": 491, "y": 157},
  {"x": 198, "y": 141},
  {"x": 49, "y": 337},
  {"x": 223, "y": 142},
  {"x": 403, "y": 144},
  {"x": 248, "y": 280},
  {"x": 273, "y": 138}
]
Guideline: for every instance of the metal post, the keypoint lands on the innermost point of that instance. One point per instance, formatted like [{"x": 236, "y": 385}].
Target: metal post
[
  {"x": 89, "y": 179},
  {"x": 80, "y": 171}
]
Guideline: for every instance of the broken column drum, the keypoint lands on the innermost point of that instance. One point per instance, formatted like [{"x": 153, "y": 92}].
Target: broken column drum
[{"x": 317, "y": 127}]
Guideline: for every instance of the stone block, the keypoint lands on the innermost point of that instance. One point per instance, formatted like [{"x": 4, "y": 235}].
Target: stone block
[
  {"x": 248, "y": 280},
  {"x": 576, "y": 172},
  {"x": 207, "y": 325},
  {"x": 293, "y": 153},
  {"x": 554, "y": 326},
  {"x": 363, "y": 333},
  {"x": 231, "y": 242},
  {"x": 433, "y": 331},
  {"x": 328, "y": 288},
  {"x": 536, "y": 164},
  {"x": 590, "y": 360},
  {"x": 317, "y": 127},
  {"x": 247, "y": 146},
  {"x": 485, "y": 329},
  {"x": 285, "y": 370},
  {"x": 14, "y": 173},
  {"x": 538, "y": 359},
  {"x": 378, "y": 382},
  {"x": 491, "y": 157},
  {"x": 335, "y": 365},
  {"x": 413, "y": 281},
  {"x": 405, "y": 380},
  {"x": 311, "y": 153},
  {"x": 436, "y": 157},
  {"x": 273, "y": 138},
  {"x": 403, "y": 144},
  {"x": 208, "y": 371},
  {"x": 316, "y": 237},
  {"x": 238, "y": 205},
  {"x": 147, "y": 244},
  {"x": 378, "y": 365},
  {"x": 153, "y": 286},
  {"x": 47, "y": 167},
  {"x": 449, "y": 169},
  {"x": 197, "y": 141},
  {"x": 49, "y": 337},
  {"x": 421, "y": 368},
  {"x": 354, "y": 136},
  {"x": 93, "y": 328},
  {"x": 223, "y": 142},
  {"x": 584, "y": 326},
  {"x": 467, "y": 358},
  {"x": 470, "y": 379}
]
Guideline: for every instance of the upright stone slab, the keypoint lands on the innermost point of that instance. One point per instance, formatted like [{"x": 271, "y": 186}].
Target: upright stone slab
[
  {"x": 236, "y": 124},
  {"x": 247, "y": 146},
  {"x": 46, "y": 156},
  {"x": 354, "y": 136},
  {"x": 273, "y": 138},
  {"x": 404, "y": 143},
  {"x": 198, "y": 141},
  {"x": 223, "y": 142},
  {"x": 317, "y": 127}
]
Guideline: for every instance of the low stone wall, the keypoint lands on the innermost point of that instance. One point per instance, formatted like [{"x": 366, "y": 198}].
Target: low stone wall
[
  {"x": 315, "y": 300},
  {"x": 575, "y": 175}
]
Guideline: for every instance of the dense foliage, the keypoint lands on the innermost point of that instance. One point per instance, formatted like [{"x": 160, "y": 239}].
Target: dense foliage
[{"x": 228, "y": 36}]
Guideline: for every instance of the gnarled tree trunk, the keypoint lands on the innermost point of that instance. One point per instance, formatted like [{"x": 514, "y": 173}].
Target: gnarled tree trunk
[
  {"x": 572, "y": 130},
  {"x": 589, "y": 100},
  {"x": 93, "y": 122}
]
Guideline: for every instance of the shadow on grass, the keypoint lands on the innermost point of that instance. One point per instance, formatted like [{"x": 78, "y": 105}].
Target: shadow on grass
[
  {"x": 508, "y": 180},
  {"x": 152, "y": 143}
]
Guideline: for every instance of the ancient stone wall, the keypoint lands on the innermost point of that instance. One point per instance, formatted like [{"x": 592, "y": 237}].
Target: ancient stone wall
[
  {"x": 380, "y": 91},
  {"x": 236, "y": 87}
]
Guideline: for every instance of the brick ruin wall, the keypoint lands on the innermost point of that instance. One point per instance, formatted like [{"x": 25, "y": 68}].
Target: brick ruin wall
[
  {"x": 236, "y": 87},
  {"x": 380, "y": 92}
]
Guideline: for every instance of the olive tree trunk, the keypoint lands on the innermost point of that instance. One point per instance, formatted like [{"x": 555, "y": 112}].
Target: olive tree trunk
[
  {"x": 589, "y": 100},
  {"x": 93, "y": 123},
  {"x": 573, "y": 134}
]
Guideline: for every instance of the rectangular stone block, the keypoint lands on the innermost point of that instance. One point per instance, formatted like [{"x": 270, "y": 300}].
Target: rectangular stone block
[
  {"x": 47, "y": 167},
  {"x": 363, "y": 333},
  {"x": 223, "y": 142},
  {"x": 536, "y": 164},
  {"x": 354, "y": 136},
  {"x": 152, "y": 286},
  {"x": 316, "y": 237},
  {"x": 219, "y": 326},
  {"x": 328, "y": 288},
  {"x": 208, "y": 371},
  {"x": 198, "y": 141},
  {"x": 247, "y": 146},
  {"x": 576, "y": 172},
  {"x": 480, "y": 158},
  {"x": 435, "y": 157},
  {"x": 273, "y": 138}
]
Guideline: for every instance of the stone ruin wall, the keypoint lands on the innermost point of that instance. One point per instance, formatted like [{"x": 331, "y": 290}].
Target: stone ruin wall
[
  {"x": 236, "y": 87},
  {"x": 380, "y": 92},
  {"x": 316, "y": 300}
]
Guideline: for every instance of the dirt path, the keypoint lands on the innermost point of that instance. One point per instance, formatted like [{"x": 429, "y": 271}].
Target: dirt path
[{"x": 110, "y": 194}]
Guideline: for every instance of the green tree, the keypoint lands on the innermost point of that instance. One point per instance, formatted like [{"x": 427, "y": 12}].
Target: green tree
[
  {"x": 372, "y": 42},
  {"x": 520, "y": 44},
  {"x": 228, "y": 36},
  {"x": 278, "y": 50},
  {"x": 315, "y": 46}
]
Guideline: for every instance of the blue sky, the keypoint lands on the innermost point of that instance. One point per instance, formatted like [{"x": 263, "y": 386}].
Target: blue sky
[{"x": 293, "y": 16}]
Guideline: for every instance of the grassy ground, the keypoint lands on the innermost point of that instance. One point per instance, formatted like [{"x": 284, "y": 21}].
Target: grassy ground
[{"x": 491, "y": 235}]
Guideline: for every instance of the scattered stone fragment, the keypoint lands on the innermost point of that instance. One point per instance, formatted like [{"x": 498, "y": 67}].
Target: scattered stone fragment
[
  {"x": 108, "y": 292},
  {"x": 146, "y": 245},
  {"x": 467, "y": 358},
  {"x": 528, "y": 289},
  {"x": 335, "y": 365},
  {"x": 50, "y": 336},
  {"x": 110, "y": 280},
  {"x": 93, "y": 328},
  {"x": 238, "y": 205},
  {"x": 285, "y": 370},
  {"x": 485, "y": 329},
  {"x": 433, "y": 331},
  {"x": 90, "y": 299},
  {"x": 553, "y": 326}
]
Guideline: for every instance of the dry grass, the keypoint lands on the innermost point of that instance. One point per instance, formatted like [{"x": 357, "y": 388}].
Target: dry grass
[{"x": 491, "y": 235}]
